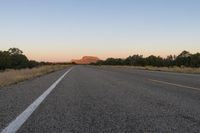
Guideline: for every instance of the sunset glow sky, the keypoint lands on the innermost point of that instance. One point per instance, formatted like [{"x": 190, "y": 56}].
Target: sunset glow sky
[{"x": 61, "y": 30}]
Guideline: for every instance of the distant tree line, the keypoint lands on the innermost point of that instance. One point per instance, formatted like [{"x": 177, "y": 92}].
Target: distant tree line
[
  {"x": 15, "y": 59},
  {"x": 185, "y": 58}
]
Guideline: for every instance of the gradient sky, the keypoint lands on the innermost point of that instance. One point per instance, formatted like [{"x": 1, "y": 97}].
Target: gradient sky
[{"x": 59, "y": 30}]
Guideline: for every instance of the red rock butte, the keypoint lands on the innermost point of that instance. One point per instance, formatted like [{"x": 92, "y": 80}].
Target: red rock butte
[{"x": 86, "y": 60}]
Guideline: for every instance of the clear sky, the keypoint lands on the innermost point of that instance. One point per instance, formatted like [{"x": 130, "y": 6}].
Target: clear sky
[{"x": 59, "y": 30}]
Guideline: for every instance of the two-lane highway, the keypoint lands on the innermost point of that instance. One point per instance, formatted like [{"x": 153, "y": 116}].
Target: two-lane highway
[{"x": 93, "y": 99}]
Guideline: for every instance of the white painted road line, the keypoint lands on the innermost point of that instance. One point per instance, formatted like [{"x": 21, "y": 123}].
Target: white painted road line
[
  {"x": 178, "y": 85},
  {"x": 19, "y": 121}
]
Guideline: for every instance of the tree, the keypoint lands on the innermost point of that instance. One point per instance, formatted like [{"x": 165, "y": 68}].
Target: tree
[
  {"x": 184, "y": 54},
  {"x": 14, "y": 58},
  {"x": 136, "y": 60},
  {"x": 169, "y": 61},
  {"x": 195, "y": 60},
  {"x": 15, "y": 51},
  {"x": 33, "y": 63},
  {"x": 183, "y": 59},
  {"x": 154, "y": 61},
  {"x": 113, "y": 61},
  {"x": 19, "y": 61},
  {"x": 5, "y": 61}
]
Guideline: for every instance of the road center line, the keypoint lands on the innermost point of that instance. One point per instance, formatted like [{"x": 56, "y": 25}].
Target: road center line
[
  {"x": 178, "y": 85},
  {"x": 21, "y": 119}
]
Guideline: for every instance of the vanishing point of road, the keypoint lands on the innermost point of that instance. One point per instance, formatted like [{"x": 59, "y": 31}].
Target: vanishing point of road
[{"x": 92, "y": 99}]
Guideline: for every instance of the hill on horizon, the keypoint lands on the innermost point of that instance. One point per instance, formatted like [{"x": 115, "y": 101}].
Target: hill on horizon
[{"x": 86, "y": 60}]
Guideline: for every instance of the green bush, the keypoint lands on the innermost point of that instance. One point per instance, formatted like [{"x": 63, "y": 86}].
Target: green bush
[
  {"x": 183, "y": 59},
  {"x": 15, "y": 59}
]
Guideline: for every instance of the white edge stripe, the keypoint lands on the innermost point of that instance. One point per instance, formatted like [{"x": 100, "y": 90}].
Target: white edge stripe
[{"x": 19, "y": 121}]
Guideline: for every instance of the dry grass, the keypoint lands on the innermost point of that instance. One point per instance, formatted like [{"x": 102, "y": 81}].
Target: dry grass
[
  {"x": 167, "y": 69},
  {"x": 175, "y": 69},
  {"x": 14, "y": 76}
]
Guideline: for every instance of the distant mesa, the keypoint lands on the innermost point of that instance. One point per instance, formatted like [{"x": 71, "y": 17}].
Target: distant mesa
[{"x": 86, "y": 60}]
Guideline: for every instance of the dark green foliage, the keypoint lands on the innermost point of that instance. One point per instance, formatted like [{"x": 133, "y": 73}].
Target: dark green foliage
[
  {"x": 169, "y": 61},
  {"x": 183, "y": 59},
  {"x": 112, "y": 61},
  {"x": 15, "y": 51},
  {"x": 18, "y": 61},
  {"x": 155, "y": 61},
  {"x": 14, "y": 58},
  {"x": 135, "y": 60},
  {"x": 100, "y": 62},
  {"x": 33, "y": 63},
  {"x": 5, "y": 60},
  {"x": 195, "y": 60}
]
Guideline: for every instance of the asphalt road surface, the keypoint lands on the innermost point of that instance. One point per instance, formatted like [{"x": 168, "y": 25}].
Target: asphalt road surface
[{"x": 89, "y": 99}]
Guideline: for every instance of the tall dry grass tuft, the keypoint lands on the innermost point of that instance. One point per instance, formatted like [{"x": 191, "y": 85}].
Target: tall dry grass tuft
[{"x": 13, "y": 76}]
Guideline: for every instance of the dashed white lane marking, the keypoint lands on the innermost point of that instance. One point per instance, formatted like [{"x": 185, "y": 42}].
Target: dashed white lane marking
[
  {"x": 178, "y": 85},
  {"x": 21, "y": 119}
]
